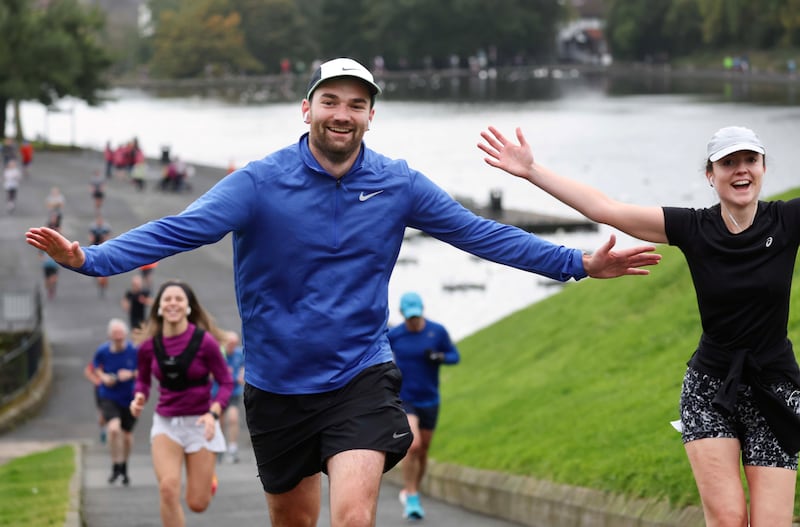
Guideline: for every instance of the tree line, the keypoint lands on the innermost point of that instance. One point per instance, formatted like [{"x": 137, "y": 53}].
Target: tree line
[
  {"x": 200, "y": 37},
  {"x": 668, "y": 29}
]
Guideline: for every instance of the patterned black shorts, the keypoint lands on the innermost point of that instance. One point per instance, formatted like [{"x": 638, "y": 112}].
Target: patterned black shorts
[{"x": 701, "y": 420}]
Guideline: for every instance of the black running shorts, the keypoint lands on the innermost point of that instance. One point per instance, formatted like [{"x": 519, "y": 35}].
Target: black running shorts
[
  {"x": 293, "y": 436},
  {"x": 701, "y": 420}
]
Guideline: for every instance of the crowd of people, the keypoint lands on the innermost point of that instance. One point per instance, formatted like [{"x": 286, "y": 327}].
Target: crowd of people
[
  {"x": 329, "y": 388},
  {"x": 113, "y": 370}
]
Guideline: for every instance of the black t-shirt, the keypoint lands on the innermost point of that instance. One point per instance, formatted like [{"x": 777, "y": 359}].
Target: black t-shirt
[
  {"x": 138, "y": 310},
  {"x": 743, "y": 280}
]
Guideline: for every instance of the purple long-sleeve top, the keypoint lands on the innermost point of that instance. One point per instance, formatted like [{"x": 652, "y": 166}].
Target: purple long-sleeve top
[{"x": 195, "y": 400}]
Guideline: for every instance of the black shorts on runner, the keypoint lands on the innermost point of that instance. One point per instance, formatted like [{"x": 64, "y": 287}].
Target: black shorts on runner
[
  {"x": 111, "y": 410},
  {"x": 701, "y": 420},
  {"x": 427, "y": 415},
  {"x": 293, "y": 436}
]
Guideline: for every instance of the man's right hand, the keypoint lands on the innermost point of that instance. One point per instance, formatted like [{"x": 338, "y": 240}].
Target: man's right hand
[
  {"x": 436, "y": 357},
  {"x": 57, "y": 246}
]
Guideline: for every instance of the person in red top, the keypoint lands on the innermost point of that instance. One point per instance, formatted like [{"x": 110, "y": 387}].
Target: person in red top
[
  {"x": 181, "y": 351},
  {"x": 26, "y": 154}
]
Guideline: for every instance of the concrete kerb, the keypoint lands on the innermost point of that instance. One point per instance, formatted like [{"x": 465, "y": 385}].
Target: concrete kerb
[
  {"x": 74, "y": 518},
  {"x": 538, "y": 503}
]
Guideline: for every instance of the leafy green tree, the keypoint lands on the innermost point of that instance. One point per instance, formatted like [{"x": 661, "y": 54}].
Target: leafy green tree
[
  {"x": 340, "y": 26},
  {"x": 635, "y": 29},
  {"x": 414, "y": 29},
  {"x": 203, "y": 37},
  {"x": 789, "y": 17},
  {"x": 49, "y": 52},
  {"x": 277, "y": 29},
  {"x": 683, "y": 27}
]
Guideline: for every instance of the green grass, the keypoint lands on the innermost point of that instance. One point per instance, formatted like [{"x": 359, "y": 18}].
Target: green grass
[
  {"x": 34, "y": 489},
  {"x": 580, "y": 388}
]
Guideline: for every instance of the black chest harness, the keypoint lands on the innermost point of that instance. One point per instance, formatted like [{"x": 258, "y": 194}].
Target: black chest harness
[{"x": 174, "y": 369}]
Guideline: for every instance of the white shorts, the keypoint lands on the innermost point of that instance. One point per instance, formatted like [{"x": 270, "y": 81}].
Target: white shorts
[{"x": 185, "y": 431}]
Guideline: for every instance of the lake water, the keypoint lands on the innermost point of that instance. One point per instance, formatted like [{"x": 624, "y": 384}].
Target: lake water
[{"x": 641, "y": 147}]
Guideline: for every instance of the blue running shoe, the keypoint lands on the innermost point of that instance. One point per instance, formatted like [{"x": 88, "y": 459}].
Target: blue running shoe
[{"x": 413, "y": 508}]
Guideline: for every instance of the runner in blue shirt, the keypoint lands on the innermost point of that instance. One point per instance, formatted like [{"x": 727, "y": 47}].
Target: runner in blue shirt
[
  {"x": 234, "y": 356},
  {"x": 317, "y": 227},
  {"x": 420, "y": 347},
  {"x": 114, "y": 365}
]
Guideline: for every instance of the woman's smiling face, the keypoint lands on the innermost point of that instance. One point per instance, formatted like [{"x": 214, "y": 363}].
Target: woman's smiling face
[
  {"x": 737, "y": 177},
  {"x": 173, "y": 304}
]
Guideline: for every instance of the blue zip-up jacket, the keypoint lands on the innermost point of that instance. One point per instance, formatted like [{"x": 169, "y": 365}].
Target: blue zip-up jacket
[{"x": 312, "y": 257}]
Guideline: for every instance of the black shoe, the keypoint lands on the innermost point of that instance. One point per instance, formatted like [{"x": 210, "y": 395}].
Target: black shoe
[
  {"x": 125, "y": 480},
  {"x": 116, "y": 471}
]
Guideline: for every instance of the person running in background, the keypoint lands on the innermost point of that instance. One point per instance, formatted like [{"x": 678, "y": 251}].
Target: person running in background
[
  {"x": 10, "y": 150},
  {"x": 108, "y": 157},
  {"x": 234, "y": 356},
  {"x": 54, "y": 202},
  {"x": 317, "y": 227},
  {"x": 50, "y": 270},
  {"x": 146, "y": 272},
  {"x": 114, "y": 368},
  {"x": 182, "y": 352},
  {"x": 26, "y": 155},
  {"x": 420, "y": 347},
  {"x": 135, "y": 302},
  {"x": 99, "y": 232},
  {"x": 139, "y": 175},
  {"x": 741, "y": 391},
  {"x": 97, "y": 189},
  {"x": 11, "y": 178},
  {"x": 92, "y": 377}
]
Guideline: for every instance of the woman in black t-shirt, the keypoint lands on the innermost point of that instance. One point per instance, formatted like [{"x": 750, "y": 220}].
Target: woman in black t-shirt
[{"x": 741, "y": 391}]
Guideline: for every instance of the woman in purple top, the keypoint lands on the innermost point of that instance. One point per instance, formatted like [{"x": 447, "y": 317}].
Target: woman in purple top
[{"x": 181, "y": 351}]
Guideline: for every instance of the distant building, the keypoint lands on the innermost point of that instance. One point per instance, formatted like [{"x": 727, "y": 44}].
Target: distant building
[{"x": 582, "y": 40}]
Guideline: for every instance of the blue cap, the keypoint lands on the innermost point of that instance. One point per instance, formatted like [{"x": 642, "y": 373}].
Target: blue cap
[{"x": 411, "y": 305}]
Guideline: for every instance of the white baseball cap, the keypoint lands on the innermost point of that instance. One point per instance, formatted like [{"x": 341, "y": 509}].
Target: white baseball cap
[
  {"x": 733, "y": 139},
  {"x": 341, "y": 67}
]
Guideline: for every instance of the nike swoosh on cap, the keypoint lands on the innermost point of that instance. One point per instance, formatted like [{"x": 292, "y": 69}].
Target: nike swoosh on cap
[{"x": 365, "y": 197}]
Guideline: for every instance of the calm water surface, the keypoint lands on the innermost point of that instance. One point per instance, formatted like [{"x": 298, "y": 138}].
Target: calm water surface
[{"x": 639, "y": 144}]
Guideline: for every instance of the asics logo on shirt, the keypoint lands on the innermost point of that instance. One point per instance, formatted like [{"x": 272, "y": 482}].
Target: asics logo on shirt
[
  {"x": 365, "y": 197},
  {"x": 769, "y": 241}
]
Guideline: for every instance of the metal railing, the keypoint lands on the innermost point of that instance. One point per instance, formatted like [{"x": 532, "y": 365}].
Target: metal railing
[{"x": 21, "y": 341}]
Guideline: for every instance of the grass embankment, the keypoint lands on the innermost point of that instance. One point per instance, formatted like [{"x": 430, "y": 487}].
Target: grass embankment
[
  {"x": 579, "y": 388},
  {"x": 34, "y": 489}
]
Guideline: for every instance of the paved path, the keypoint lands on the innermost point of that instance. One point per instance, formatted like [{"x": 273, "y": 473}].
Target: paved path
[{"x": 75, "y": 322}]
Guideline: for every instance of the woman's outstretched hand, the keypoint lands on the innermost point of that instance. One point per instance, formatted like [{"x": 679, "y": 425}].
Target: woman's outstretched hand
[
  {"x": 605, "y": 263},
  {"x": 516, "y": 159},
  {"x": 57, "y": 246}
]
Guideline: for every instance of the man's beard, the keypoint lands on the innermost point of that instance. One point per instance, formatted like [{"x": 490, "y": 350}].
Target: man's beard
[{"x": 336, "y": 151}]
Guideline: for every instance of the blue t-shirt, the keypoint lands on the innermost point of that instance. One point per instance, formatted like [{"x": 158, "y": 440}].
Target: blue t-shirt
[
  {"x": 420, "y": 385},
  {"x": 235, "y": 360},
  {"x": 111, "y": 362}
]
